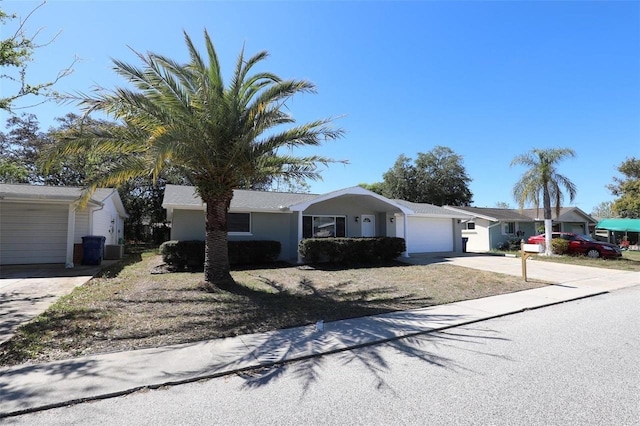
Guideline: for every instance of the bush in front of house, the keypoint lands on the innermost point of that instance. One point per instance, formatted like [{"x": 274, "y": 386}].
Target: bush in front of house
[
  {"x": 351, "y": 250},
  {"x": 253, "y": 252},
  {"x": 503, "y": 245},
  {"x": 183, "y": 254},
  {"x": 512, "y": 244},
  {"x": 190, "y": 254},
  {"x": 559, "y": 245}
]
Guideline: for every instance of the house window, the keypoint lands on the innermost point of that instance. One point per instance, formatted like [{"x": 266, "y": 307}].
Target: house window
[
  {"x": 509, "y": 228},
  {"x": 471, "y": 226},
  {"x": 323, "y": 226},
  {"x": 239, "y": 223}
]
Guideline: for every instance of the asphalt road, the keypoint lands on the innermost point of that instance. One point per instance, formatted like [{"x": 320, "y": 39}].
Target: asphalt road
[{"x": 576, "y": 363}]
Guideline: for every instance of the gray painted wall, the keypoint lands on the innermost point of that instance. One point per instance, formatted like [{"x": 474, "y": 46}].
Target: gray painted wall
[
  {"x": 282, "y": 227},
  {"x": 273, "y": 227},
  {"x": 496, "y": 237},
  {"x": 187, "y": 225},
  {"x": 457, "y": 235},
  {"x": 190, "y": 225}
]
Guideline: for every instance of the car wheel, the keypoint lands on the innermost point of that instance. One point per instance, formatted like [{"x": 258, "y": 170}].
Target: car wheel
[{"x": 593, "y": 253}]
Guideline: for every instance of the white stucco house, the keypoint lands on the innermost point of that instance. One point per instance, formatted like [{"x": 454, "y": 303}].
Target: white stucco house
[
  {"x": 43, "y": 224},
  {"x": 290, "y": 217}
]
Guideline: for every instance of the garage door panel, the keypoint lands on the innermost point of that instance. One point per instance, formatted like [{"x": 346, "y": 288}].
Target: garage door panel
[
  {"x": 33, "y": 233},
  {"x": 428, "y": 235}
]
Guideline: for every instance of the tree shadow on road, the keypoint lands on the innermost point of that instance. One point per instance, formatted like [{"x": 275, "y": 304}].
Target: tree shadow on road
[{"x": 303, "y": 352}]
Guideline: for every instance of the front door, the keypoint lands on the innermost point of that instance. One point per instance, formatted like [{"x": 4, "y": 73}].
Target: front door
[{"x": 368, "y": 222}]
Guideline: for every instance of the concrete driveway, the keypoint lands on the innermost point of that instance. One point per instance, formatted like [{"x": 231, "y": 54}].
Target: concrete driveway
[
  {"x": 539, "y": 270},
  {"x": 26, "y": 291}
]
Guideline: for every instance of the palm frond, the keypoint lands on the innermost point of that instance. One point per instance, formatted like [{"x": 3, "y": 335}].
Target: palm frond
[{"x": 182, "y": 116}]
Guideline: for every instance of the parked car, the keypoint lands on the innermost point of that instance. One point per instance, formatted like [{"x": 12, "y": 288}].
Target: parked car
[{"x": 582, "y": 244}]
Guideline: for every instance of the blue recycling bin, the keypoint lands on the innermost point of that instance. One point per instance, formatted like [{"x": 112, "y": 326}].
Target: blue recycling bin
[
  {"x": 92, "y": 249},
  {"x": 464, "y": 244}
]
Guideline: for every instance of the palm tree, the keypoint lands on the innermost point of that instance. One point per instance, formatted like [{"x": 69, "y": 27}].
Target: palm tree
[
  {"x": 219, "y": 137},
  {"x": 542, "y": 179}
]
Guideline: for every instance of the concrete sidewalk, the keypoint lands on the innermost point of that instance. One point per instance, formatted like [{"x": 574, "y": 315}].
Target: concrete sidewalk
[{"x": 29, "y": 387}]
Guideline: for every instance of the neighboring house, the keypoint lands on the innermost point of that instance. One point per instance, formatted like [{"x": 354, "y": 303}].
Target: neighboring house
[
  {"x": 491, "y": 227},
  {"x": 289, "y": 218},
  {"x": 42, "y": 224},
  {"x": 570, "y": 219},
  {"x": 623, "y": 231}
]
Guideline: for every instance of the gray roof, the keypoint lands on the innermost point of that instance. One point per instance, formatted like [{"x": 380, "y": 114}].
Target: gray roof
[
  {"x": 516, "y": 215},
  {"x": 538, "y": 214},
  {"x": 244, "y": 199},
  {"x": 494, "y": 214},
  {"x": 430, "y": 210},
  {"x": 44, "y": 192},
  {"x": 177, "y": 195},
  {"x": 62, "y": 194}
]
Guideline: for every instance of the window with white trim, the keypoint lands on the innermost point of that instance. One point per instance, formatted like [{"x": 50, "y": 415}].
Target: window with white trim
[
  {"x": 324, "y": 226},
  {"x": 239, "y": 223}
]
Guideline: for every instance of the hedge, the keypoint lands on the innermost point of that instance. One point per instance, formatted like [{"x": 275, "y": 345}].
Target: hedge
[
  {"x": 190, "y": 254},
  {"x": 351, "y": 250},
  {"x": 559, "y": 245}
]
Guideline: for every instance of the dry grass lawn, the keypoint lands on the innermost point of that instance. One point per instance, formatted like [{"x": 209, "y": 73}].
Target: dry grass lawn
[
  {"x": 130, "y": 308},
  {"x": 630, "y": 261}
]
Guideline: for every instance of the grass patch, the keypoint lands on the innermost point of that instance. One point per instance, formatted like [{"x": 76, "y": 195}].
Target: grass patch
[
  {"x": 129, "y": 308},
  {"x": 630, "y": 261}
]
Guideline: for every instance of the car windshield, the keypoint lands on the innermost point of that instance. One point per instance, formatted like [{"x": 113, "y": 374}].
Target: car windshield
[{"x": 588, "y": 238}]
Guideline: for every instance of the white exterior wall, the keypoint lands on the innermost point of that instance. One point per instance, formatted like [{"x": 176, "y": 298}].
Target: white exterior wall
[
  {"x": 426, "y": 234},
  {"x": 105, "y": 221},
  {"x": 82, "y": 226},
  {"x": 479, "y": 237},
  {"x": 33, "y": 233}
]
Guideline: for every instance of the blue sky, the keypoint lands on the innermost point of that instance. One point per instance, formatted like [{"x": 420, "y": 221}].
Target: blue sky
[{"x": 490, "y": 80}]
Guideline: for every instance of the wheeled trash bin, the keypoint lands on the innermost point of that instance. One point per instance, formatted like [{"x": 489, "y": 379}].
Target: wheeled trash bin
[
  {"x": 465, "y": 240},
  {"x": 92, "y": 249}
]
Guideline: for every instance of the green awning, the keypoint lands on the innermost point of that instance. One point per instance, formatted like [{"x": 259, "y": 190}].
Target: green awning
[{"x": 628, "y": 225}]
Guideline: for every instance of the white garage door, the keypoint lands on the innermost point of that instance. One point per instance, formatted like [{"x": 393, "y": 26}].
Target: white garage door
[
  {"x": 429, "y": 235},
  {"x": 32, "y": 233}
]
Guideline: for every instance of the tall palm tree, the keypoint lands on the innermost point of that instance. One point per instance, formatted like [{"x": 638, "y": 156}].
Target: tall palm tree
[
  {"x": 220, "y": 137},
  {"x": 542, "y": 179}
]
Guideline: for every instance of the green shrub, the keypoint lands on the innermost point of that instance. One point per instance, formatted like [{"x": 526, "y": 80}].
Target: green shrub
[
  {"x": 253, "y": 252},
  {"x": 512, "y": 244},
  {"x": 183, "y": 254},
  {"x": 559, "y": 246},
  {"x": 351, "y": 250},
  {"x": 190, "y": 254},
  {"x": 503, "y": 245}
]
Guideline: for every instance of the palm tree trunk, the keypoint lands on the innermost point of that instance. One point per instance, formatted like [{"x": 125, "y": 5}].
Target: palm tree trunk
[
  {"x": 216, "y": 257},
  {"x": 548, "y": 224}
]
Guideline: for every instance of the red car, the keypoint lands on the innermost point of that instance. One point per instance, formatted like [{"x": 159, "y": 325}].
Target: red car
[{"x": 582, "y": 244}]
